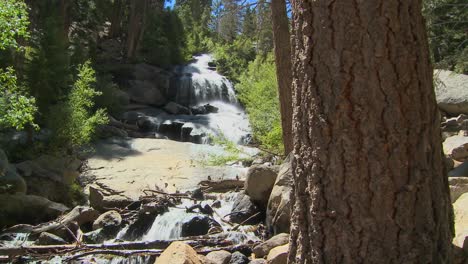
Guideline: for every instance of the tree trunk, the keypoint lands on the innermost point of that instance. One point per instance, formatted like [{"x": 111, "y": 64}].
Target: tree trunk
[
  {"x": 370, "y": 184},
  {"x": 116, "y": 19},
  {"x": 281, "y": 38},
  {"x": 136, "y": 26}
]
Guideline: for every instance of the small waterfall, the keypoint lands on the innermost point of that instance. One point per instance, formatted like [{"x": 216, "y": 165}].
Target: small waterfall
[
  {"x": 197, "y": 85},
  {"x": 200, "y": 84},
  {"x": 168, "y": 225}
]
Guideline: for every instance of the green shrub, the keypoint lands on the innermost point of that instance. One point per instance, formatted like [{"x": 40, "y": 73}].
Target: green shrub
[
  {"x": 17, "y": 109},
  {"x": 111, "y": 98},
  {"x": 74, "y": 121},
  {"x": 258, "y": 91},
  {"x": 232, "y": 59}
]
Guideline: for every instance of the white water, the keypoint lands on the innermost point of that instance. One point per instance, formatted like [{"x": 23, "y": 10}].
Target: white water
[
  {"x": 201, "y": 85},
  {"x": 168, "y": 226}
]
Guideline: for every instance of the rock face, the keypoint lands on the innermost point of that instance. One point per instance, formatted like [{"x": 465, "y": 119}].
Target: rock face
[
  {"x": 176, "y": 109},
  {"x": 259, "y": 182},
  {"x": 243, "y": 209},
  {"x": 278, "y": 255},
  {"x": 279, "y": 205},
  {"x": 27, "y": 209},
  {"x": 198, "y": 226},
  {"x": 178, "y": 253},
  {"x": 262, "y": 249},
  {"x": 50, "y": 172},
  {"x": 460, "y": 208},
  {"x": 456, "y": 147},
  {"x": 10, "y": 181},
  {"x": 219, "y": 257},
  {"x": 145, "y": 92},
  {"x": 458, "y": 186},
  {"x": 452, "y": 92}
]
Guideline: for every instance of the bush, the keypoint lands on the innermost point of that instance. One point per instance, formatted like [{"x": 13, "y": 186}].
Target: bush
[
  {"x": 74, "y": 120},
  {"x": 258, "y": 91},
  {"x": 233, "y": 59},
  {"x": 17, "y": 109}
]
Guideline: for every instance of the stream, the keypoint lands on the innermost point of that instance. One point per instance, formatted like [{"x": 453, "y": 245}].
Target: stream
[{"x": 198, "y": 85}]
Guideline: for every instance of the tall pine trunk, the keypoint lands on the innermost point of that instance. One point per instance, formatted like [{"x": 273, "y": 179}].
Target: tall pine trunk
[
  {"x": 369, "y": 179},
  {"x": 136, "y": 26},
  {"x": 281, "y": 38}
]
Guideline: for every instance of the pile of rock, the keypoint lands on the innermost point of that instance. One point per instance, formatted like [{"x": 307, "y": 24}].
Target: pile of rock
[
  {"x": 266, "y": 197},
  {"x": 273, "y": 251}
]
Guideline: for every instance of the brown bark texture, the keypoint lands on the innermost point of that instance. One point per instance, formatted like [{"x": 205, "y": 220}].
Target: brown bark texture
[
  {"x": 117, "y": 11},
  {"x": 136, "y": 26},
  {"x": 369, "y": 180},
  {"x": 282, "y": 42}
]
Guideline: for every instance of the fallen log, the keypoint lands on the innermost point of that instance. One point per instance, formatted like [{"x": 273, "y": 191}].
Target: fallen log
[
  {"x": 221, "y": 186},
  {"x": 196, "y": 242}
]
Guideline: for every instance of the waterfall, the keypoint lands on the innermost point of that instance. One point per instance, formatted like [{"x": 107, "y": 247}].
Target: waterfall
[{"x": 200, "y": 84}]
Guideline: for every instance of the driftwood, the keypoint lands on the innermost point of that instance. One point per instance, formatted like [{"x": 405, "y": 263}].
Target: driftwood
[
  {"x": 195, "y": 242},
  {"x": 221, "y": 186}
]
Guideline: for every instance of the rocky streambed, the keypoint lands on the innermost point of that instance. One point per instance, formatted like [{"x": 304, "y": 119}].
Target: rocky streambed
[{"x": 221, "y": 217}]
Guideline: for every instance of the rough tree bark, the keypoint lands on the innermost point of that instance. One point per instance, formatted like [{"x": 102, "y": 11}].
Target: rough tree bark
[
  {"x": 117, "y": 10},
  {"x": 369, "y": 178},
  {"x": 136, "y": 26},
  {"x": 281, "y": 38}
]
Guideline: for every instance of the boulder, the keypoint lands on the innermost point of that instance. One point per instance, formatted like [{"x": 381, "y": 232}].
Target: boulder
[
  {"x": 259, "y": 183},
  {"x": 238, "y": 258},
  {"x": 178, "y": 253},
  {"x": 458, "y": 186},
  {"x": 258, "y": 261},
  {"x": 108, "y": 220},
  {"x": 140, "y": 226},
  {"x": 50, "y": 239},
  {"x": 456, "y": 147},
  {"x": 278, "y": 255},
  {"x": 146, "y": 92},
  {"x": 205, "y": 260},
  {"x": 198, "y": 226},
  {"x": 219, "y": 257},
  {"x": 460, "y": 171},
  {"x": 28, "y": 209},
  {"x": 100, "y": 235},
  {"x": 176, "y": 109},
  {"x": 279, "y": 205},
  {"x": 460, "y": 208},
  {"x": 452, "y": 92},
  {"x": 204, "y": 109},
  {"x": 262, "y": 249},
  {"x": 100, "y": 201},
  {"x": 10, "y": 181},
  {"x": 243, "y": 209},
  {"x": 50, "y": 172}
]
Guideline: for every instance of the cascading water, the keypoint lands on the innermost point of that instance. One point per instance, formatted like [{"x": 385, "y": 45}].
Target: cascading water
[{"x": 199, "y": 84}]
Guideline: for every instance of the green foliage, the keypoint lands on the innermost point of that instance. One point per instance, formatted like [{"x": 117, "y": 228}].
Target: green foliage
[
  {"x": 48, "y": 60},
  {"x": 232, "y": 59},
  {"x": 17, "y": 109},
  {"x": 447, "y": 21},
  {"x": 111, "y": 98},
  {"x": 258, "y": 91},
  {"x": 74, "y": 120},
  {"x": 13, "y": 23},
  {"x": 164, "y": 40}
]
